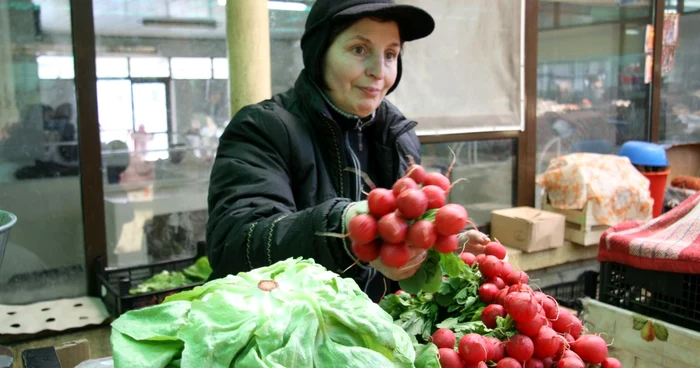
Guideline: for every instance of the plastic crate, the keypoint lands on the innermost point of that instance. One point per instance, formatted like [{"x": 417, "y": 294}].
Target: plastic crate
[
  {"x": 115, "y": 283},
  {"x": 671, "y": 297},
  {"x": 569, "y": 294}
]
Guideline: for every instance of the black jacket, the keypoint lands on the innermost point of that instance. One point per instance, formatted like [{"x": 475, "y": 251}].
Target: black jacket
[{"x": 279, "y": 178}]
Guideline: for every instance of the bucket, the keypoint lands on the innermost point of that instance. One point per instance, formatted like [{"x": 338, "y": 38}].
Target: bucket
[
  {"x": 657, "y": 189},
  {"x": 7, "y": 220}
]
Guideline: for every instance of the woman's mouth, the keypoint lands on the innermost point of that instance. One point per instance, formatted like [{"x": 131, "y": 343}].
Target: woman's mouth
[{"x": 370, "y": 91}]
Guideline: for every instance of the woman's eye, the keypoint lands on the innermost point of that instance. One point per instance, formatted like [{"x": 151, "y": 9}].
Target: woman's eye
[
  {"x": 359, "y": 50},
  {"x": 390, "y": 55}
]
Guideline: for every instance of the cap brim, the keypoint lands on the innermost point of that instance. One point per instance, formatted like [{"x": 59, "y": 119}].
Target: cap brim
[{"x": 414, "y": 23}]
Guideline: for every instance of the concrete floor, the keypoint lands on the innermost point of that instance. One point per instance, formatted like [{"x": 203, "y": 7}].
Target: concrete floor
[{"x": 98, "y": 338}]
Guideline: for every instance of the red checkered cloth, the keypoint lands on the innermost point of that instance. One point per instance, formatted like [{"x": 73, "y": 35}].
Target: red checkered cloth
[{"x": 669, "y": 243}]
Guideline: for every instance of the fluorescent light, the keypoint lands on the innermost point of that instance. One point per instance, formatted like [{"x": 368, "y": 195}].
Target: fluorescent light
[
  {"x": 278, "y": 5},
  {"x": 631, "y": 32}
]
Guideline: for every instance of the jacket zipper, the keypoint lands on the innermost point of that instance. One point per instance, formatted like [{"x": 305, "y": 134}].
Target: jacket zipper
[{"x": 356, "y": 166}]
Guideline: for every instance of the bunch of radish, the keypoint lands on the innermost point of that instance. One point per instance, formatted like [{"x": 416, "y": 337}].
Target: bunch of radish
[
  {"x": 544, "y": 335},
  {"x": 413, "y": 212}
]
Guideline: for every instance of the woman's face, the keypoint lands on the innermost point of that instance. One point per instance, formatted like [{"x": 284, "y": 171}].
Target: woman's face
[{"x": 361, "y": 65}]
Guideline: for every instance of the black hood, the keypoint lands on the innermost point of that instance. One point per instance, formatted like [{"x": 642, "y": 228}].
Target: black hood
[{"x": 414, "y": 23}]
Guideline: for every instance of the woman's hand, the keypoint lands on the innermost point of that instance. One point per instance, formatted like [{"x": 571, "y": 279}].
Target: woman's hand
[
  {"x": 416, "y": 259},
  {"x": 475, "y": 241}
]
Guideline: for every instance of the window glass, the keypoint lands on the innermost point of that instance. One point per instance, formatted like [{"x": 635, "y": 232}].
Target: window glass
[
  {"x": 488, "y": 167},
  {"x": 149, "y": 67},
  {"x": 55, "y": 67},
  {"x": 680, "y": 89},
  {"x": 112, "y": 67},
  {"x": 39, "y": 160},
  {"x": 191, "y": 68}
]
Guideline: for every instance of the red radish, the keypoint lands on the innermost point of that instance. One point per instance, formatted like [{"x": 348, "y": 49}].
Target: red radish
[
  {"x": 534, "y": 363},
  {"x": 394, "y": 255},
  {"x": 570, "y": 363},
  {"x": 570, "y": 339},
  {"x": 446, "y": 244},
  {"x": 450, "y": 219},
  {"x": 381, "y": 202},
  {"x": 499, "y": 348},
  {"x": 517, "y": 277},
  {"x": 367, "y": 252},
  {"x": 490, "y": 267},
  {"x": 521, "y": 306},
  {"x": 444, "y": 338},
  {"x": 421, "y": 234},
  {"x": 501, "y": 297},
  {"x": 362, "y": 228},
  {"x": 468, "y": 258},
  {"x": 570, "y": 354},
  {"x": 611, "y": 363},
  {"x": 392, "y": 228},
  {"x": 435, "y": 178},
  {"x": 500, "y": 284},
  {"x": 521, "y": 287},
  {"x": 403, "y": 184},
  {"x": 550, "y": 308},
  {"x": 531, "y": 328},
  {"x": 547, "y": 343},
  {"x": 472, "y": 348},
  {"x": 487, "y": 293},
  {"x": 548, "y": 362},
  {"x": 564, "y": 322},
  {"x": 436, "y": 196},
  {"x": 491, "y": 313},
  {"x": 417, "y": 173},
  {"x": 399, "y": 292},
  {"x": 506, "y": 270},
  {"x": 540, "y": 296},
  {"x": 576, "y": 328},
  {"x": 592, "y": 349},
  {"x": 495, "y": 249},
  {"x": 520, "y": 347},
  {"x": 412, "y": 203},
  {"x": 475, "y": 365},
  {"x": 508, "y": 363},
  {"x": 449, "y": 358},
  {"x": 480, "y": 258}
]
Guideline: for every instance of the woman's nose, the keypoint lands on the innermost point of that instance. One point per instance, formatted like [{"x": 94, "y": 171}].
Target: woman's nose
[{"x": 375, "y": 66}]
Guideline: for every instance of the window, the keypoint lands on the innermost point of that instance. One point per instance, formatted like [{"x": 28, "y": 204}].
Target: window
[
  {"x": 112, "y": 67},
  {"x": 191, "y": 68},
  {"x": 149, "y": 67},
  {"x": 39, "y": 158}
]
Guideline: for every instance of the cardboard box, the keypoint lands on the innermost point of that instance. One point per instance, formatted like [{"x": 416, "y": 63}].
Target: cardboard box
[
  {"x": 528, "y": 229},
  {"x": 683, "y": 159}
]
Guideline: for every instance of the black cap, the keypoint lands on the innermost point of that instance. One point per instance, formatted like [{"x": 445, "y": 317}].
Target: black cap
[{"x": 413, "y": 22}]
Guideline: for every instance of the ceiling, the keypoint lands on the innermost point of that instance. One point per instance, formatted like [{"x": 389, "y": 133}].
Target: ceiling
[{"x": 125, "y": 18}]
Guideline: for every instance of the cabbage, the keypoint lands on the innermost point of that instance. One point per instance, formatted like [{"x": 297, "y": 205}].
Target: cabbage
[{"x": 293, "y": 313}]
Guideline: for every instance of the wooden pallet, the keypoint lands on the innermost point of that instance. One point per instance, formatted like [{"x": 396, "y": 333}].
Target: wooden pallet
[{"x": 581, "y": 226}]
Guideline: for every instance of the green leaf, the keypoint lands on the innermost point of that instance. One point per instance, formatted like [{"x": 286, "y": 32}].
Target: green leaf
[
  {"x": 199, "y": 271},
  {"x": 429, "y": 215},
  {"x": 638, "y": 322},
  {"x": 161, "y": 281},
  {"x": 660, "y": 331},
  {"x": 426, "y": 356},
  {"x": 433, "y": 284},
  {"x": 425, "y": 274},
  {"x": 452, "y": 265},
  {"x": 393, "y": 305}
]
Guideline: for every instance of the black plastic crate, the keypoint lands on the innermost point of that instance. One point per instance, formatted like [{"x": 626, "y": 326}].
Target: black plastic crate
[
  {"x": 115, "y": 283},
  {"x": 667, "y": 296},
  {"x": 569, "y": 294}
]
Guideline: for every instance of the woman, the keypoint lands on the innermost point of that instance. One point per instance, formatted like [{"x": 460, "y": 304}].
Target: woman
[{"x": 280, "y": 175}]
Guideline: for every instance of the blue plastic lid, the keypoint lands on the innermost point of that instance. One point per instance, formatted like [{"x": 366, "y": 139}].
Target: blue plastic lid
[{"x": 644, "y": 153}]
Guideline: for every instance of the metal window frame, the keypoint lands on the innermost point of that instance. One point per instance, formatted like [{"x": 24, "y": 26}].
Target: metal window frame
[{"x": 84, "y": 52}]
